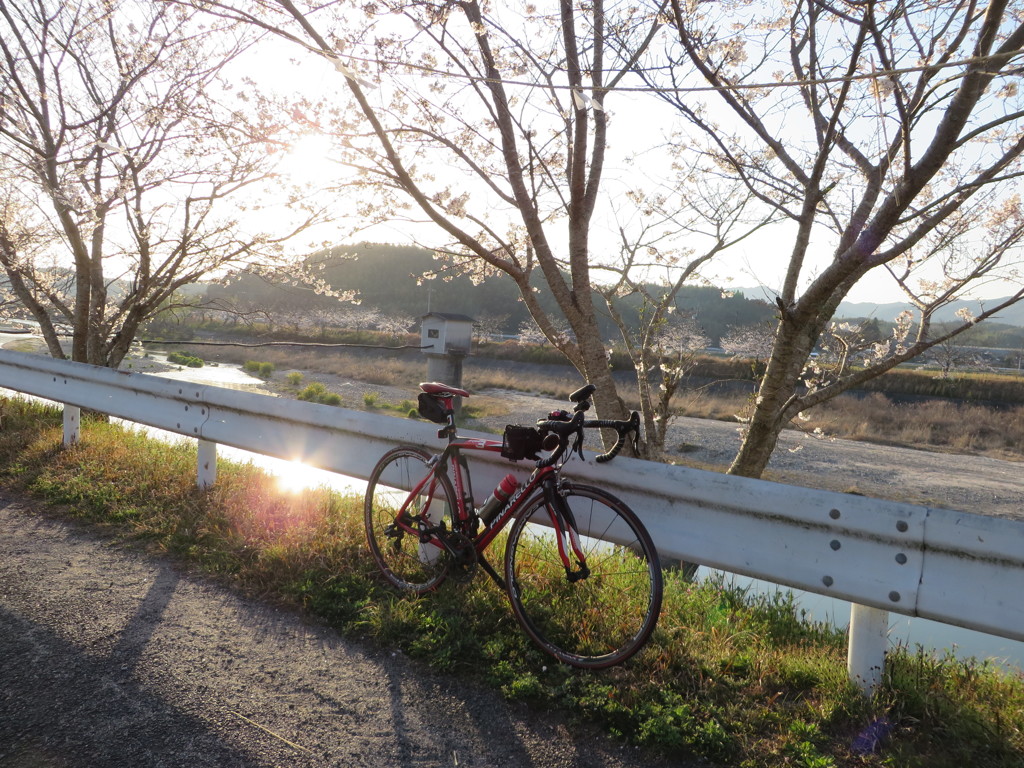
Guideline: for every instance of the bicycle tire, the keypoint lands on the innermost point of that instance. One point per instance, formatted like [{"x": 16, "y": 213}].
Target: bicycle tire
[
  {"x": 405, "y": 561},
  {"x": 603, "y": 619}
]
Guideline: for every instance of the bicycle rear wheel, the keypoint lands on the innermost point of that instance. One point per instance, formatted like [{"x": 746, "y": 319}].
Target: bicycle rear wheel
[
  {"x": 599, "y": 620},
  {"x": 406, "y": 559}
]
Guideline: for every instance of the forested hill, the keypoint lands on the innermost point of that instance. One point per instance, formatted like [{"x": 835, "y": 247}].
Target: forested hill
[{"x": 391, "y": 278}]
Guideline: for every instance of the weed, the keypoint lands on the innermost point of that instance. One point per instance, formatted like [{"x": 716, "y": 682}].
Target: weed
[{"x": 258, "y": 369}]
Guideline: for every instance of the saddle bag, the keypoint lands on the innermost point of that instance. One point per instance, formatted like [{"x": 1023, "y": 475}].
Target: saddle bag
[{"x": 431, "y": 410}]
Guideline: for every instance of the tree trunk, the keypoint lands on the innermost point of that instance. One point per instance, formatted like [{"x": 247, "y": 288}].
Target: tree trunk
[
  {"x": 598, "y": 372},
  {"x": 772, "y": 409}
]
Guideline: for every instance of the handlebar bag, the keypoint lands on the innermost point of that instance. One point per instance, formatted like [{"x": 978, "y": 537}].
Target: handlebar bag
[
  {"x": 520, "y": 442},
  {"x": 431, "y": 410}
]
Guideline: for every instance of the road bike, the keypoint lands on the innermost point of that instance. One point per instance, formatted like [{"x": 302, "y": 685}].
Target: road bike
[{"x": 580, "y": 570}]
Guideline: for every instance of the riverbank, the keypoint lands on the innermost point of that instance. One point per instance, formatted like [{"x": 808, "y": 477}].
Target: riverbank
[{"x": 969, "y": 482}]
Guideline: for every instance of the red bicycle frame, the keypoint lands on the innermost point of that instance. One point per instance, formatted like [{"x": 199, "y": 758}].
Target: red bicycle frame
[{"x": 544, "y": 478}]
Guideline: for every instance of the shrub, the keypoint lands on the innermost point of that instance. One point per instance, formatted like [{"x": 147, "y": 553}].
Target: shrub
[
  {"x": 185, "y": 359},
  {"x": 255, "y": 368},
  {"x": 313, "y": 392},
  {"x": 317, "y": 393},
  {"x": 294, "y": 378}
]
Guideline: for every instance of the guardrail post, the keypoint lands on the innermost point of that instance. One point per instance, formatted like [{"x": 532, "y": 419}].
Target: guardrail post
[
  {"x": 206, "y": 474},
  {"x": 72, "y": 424},
  {"x": 869, "y": 638}
]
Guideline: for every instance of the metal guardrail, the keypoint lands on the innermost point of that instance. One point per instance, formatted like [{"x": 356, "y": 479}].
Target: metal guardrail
[{"x": 953, "y": 567}]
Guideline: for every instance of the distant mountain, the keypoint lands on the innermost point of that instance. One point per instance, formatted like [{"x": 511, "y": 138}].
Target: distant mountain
[
  {"x": 888, "y": 311},
  {"x": 389, "y": 278},
  {"x": 1013, "y": 315}
]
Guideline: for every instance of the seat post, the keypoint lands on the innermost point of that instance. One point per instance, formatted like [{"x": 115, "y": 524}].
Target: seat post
[{"x": 449, "y": 431}]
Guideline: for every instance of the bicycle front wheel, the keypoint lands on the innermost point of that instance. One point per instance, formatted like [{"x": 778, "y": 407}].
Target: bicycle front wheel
[
  {"x": 412, "y": 562},
  {"x": 594, "y": 621}
]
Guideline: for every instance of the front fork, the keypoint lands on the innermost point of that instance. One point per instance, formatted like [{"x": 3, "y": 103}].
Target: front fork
[{"x": 566, "y": 531}]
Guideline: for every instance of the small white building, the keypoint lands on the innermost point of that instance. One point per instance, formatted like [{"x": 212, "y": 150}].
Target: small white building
[
  {"x": 442, "y": 333},
  {"x": 446, "y": 341}
]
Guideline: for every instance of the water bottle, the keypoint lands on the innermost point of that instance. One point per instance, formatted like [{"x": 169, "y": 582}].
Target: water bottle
[{"x": 497, "y": 500}]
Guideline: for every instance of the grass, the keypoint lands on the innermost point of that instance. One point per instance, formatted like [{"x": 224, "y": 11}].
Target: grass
[
  {"x": 317, "y": 392},
  {"x": 737, "y": 679},
  {"x": 408, "y": 370},
  {"x": 263, "y": 370},
  {"x": 931, "y": 424}
]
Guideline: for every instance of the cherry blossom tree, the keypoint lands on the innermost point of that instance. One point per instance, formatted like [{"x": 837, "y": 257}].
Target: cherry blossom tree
[
  {"x": 888, "y": 135},
  {"x": 667, "y": 357},
  {"x": 677, "y": 233},
  {"x": 754, "y": 341},
  {"x": 122, "y": 151},
  {"x": 491, "y": 326},
  {"x": 490, "y": 122}
]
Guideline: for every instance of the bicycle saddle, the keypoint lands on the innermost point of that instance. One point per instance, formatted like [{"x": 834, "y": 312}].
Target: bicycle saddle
[{"x": 442, "y": 390}]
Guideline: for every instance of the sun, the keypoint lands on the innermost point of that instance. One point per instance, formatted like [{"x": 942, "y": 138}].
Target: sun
[
  {"x": 307, "y": 162},
  {"x": 295, "y": 477}
]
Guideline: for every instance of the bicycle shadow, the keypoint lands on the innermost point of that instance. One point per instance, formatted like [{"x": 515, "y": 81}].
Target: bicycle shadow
[{"x": 140, "y": 628}]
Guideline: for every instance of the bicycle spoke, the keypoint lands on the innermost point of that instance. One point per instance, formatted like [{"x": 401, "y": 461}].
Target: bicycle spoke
[
  {"x": 405, "y": 559},
  {"x": 595, "y": 621}
]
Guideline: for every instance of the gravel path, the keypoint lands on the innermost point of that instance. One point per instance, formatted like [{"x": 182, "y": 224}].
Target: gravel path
[
  {"x": 112, "y": 658},
  {"x": 968, "y": 483}
]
